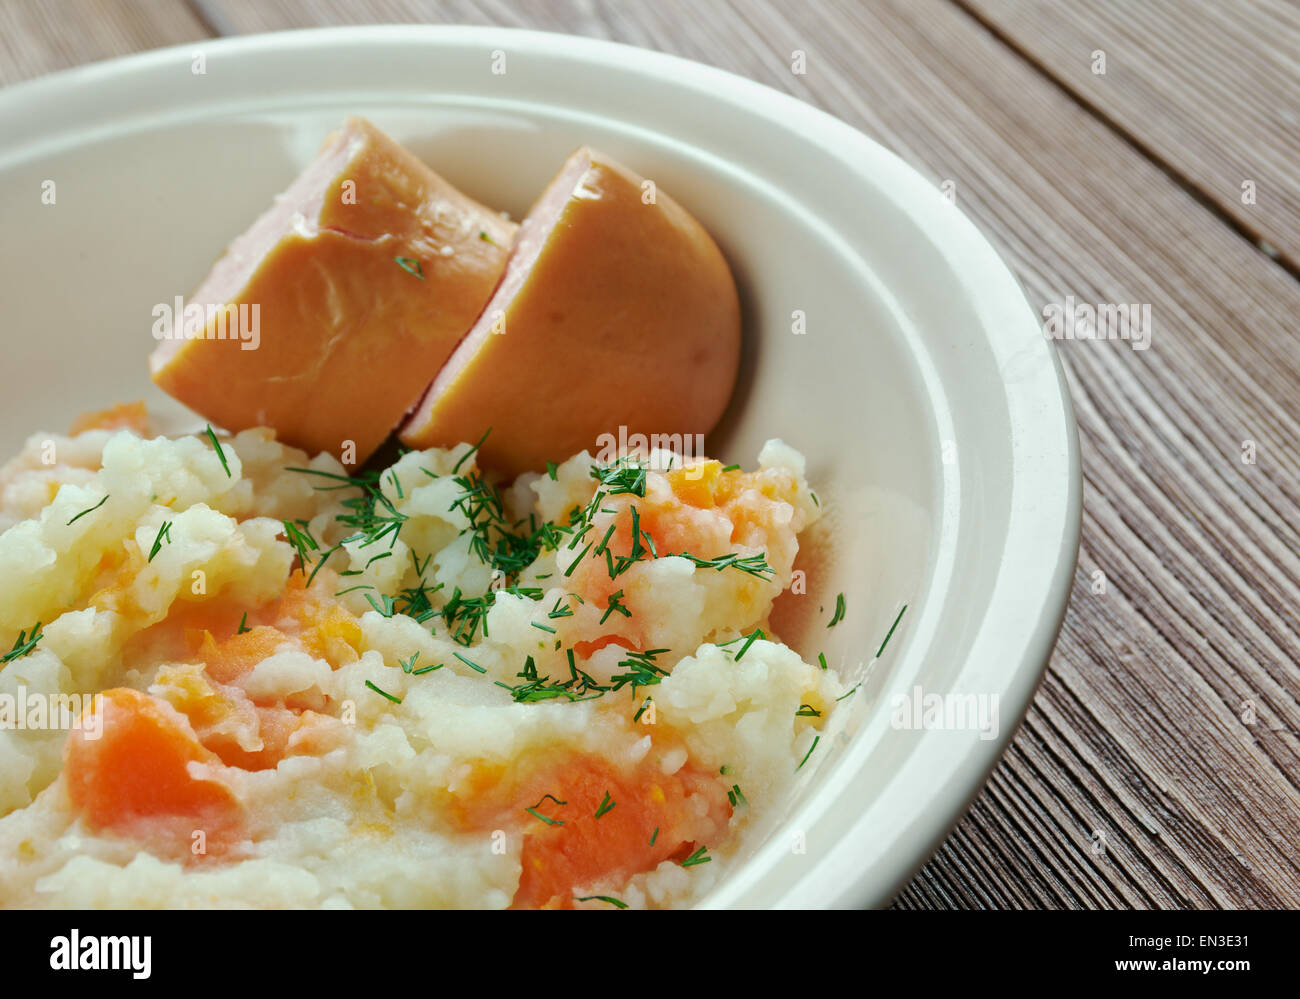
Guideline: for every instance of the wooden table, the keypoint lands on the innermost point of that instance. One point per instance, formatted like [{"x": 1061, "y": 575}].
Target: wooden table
[{"x": 1142, "y": 152}]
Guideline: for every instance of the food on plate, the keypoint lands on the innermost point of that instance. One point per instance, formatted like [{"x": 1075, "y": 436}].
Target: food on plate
[
  {"x": 405, "y": 687},
  {"x": 355, "y": 287},
  {"x": 498, "y": 668},
  {"x": 613, "y": 288}
]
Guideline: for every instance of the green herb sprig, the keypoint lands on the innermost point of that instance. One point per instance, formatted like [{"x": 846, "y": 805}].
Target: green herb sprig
[{"x": 24, "y": 645}]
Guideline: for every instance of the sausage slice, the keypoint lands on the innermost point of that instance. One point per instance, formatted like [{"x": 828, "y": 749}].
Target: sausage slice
[
  {"x": 365, "y": 274},
  {"x": 616, "y": 309}
]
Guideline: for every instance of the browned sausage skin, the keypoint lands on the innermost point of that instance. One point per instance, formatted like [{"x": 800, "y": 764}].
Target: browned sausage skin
[
  {"x": 616, "y": 309},
  {"x": 366, "y": 273}
]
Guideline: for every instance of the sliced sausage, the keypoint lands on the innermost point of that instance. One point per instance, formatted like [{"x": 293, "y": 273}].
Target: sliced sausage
[
  {"x": 616, "y": 309},
  {"x": 365, "y": 273}
]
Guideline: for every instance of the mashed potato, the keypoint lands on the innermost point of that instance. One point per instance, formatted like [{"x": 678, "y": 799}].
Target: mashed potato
[{"x": 411, "y": 689}]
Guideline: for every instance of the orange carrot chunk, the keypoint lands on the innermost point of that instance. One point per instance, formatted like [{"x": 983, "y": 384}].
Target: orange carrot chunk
[
  {"x": 123, "y": 416},
  {"x": 610, "y": 827},
  {"x": 138, "y": 768}
]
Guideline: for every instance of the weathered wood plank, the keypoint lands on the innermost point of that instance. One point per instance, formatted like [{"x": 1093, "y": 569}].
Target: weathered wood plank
[
  {"x": 39, "y": 38},
  {"x": 1209, "y": 89}
]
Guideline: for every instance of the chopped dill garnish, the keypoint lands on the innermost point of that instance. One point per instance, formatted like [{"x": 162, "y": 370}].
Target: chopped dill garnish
[
  {"x": 299, "y": 536},
  {"x": 371, "y": 515},
  {"x": 731, "y": 468},
  {"x": 881, "y": 650},
  {"x": 615, "y": 604},
  {"x": 408, "y": 664},
  {"x": 641, "y": 710},
  {"x": 550, "y": 470},
  {"x": 461, "y": 460},
  {"x": 486, "y": 238},
  {"x": 604, "y": 542},
  {"x": 384, "y": 693},
  {"x": 839, "y": 611},
  {"x": 579, "y": 681},
  {"x": 637, "y": 534},
  {"x": 736, "y": 796},
  {"x": 350, "y": 589},
  {"x": 816, "y": 739},
  {"x": 411, "y": 266},
  {"x": 426, "y": 669},
  {"x": 542, "y": 627},
  {"x": 643, "y": 671},
  {"x": 749, "y": 640},
  {"x": 536, "y": 814},
  {"x": 23, "y": 644},
  {"x": 345, "y": 481},
  {"x": 654, "y": 836},
  {"x": 807, "y": 711},
  {"x": 850, "y": 692},
  {"x": 385, "y": 606},
  {"x": 464, "y": 615},
  {"x": 574, "y": 564},
  {"x": 470, "y": 663},
  {"x": 816, "y": 501},
  {"x": 558, "y": 611},
  {"x": 578, "y": 535},
  {"x": 700, "y": 856},
  {"x": 626, "y": 475},
  {"x": 755, "y": 565},
  {"x": 212, "y": 436},
  {"x": 821, "y": 658},
  {"x": 540, "y": 690},
  {"x": 89, "y": 510},
  {"x": 164, "y": 534},
  {"x": 617, "y": 903},
  {"x": 243, "y": 628},
  {"x": 605, "y": 806}
]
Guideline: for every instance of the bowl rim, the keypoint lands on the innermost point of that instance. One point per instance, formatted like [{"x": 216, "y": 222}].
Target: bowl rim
[{"x": 1040, "y": 413}]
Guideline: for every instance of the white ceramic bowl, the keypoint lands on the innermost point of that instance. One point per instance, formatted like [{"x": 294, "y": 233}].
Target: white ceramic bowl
[{"x": 930, "y": 406}]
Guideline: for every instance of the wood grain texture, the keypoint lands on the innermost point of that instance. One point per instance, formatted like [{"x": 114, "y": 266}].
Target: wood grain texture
[
  {"x": 1209, "y": 89},
  {"x": 39, "y": 38},
  {"x": 1159, "y": 765}
]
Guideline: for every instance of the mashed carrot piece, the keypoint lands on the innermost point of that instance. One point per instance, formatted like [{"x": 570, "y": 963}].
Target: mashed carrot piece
[
  {"x": 140, "y": 768},
  {"x": 231, "y": 658},
  {"x": 562, "y": 862},
  {"x": 706, "y": 511},
  {"x": 123, "y": 416},
  {"x": 306, "y": 616},
  {"x": 244, "y": 734},
  {"x": 587, "y": 649},
  {"x": 645, "y": 817}
]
